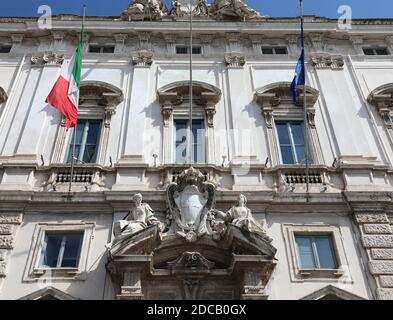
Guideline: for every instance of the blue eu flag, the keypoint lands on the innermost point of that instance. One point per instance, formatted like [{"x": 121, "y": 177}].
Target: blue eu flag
[
  {"x": 300, "y": 71},
  {"x": 299, "y": 79}
]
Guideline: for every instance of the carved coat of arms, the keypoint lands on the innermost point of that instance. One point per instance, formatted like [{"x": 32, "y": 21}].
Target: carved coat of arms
[{"x": 190, "y": 201}]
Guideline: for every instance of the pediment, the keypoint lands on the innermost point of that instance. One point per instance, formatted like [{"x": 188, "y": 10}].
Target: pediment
[
  {"x": 48, "y": 293},
  {"x": 332, "y": 293}
]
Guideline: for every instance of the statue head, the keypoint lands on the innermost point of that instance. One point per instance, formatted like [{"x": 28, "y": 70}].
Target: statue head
[
  {"x": 137, "y": 198},
  {"x": 242, "y": 200}
]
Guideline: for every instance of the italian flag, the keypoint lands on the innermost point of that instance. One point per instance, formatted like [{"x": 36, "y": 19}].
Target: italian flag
[{"x": 65, "y": 93}]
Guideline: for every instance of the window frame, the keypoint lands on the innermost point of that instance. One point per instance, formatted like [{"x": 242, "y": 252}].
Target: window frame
[
  {"x": 60, "y": 255},
  {"x": 98, "y": 144},
  {"x": 102, "y": 48},
  {"x": 203, "y": 147},
  {"x": 374, "y": 49},
  {"x": 187, "y": 47},
  {"x": 297, "y": 273},
  {"x": 293, "y": 145},
  {"x": 315, "y": 252},
  {"x": 37, "y": 272},
  {"x": 274, "y": 50}
]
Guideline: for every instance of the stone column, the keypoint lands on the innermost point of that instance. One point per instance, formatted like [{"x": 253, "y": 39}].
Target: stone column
[
  {"x": 377, "y": 239},
  {"x": 210, "y": 111},
  {"x": 237, "y": 99},
  {"x": 167, "y": 100},
  {"x": 140, "y": 100},
  {"x": 131, "y": 288}
]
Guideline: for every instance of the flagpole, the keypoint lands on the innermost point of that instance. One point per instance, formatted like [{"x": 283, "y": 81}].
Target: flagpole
[
  {"x": 306, "y": 151},
  {"x": 190, "y": 136},
  {"x": 76, "y": 124}
]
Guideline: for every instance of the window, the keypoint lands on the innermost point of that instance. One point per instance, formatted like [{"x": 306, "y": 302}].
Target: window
[
  {"x": 274, "y": 50},
  {"x": 5, "y": 48},
  {"x": 291, "y": 139},
  {"x": 61, "y": 250},
  {"x": 101, "y": 49},
  {"x": 181, "y": 144},
  {"x": 185, "y": 50},
  {"x": 86, "y": 141},
  {"x": 315, "y": 252},
  {"x": 376, "y": 51}
]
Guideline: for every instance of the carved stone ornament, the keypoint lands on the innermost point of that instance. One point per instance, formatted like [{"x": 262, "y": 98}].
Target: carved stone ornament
[
  {"x": 235, "y": 60},
  {"x": 142, "y": 59},
  {"x": 191, "y": 261},
  {"x": 100, "y": 93},
  {"x": 190, "y": 200},
  {"x": 47, "y": 58},
  {"x": 327, "y": 61},
  {"x": 382, "y": 99},
  {"x": 3, "y": 95},
  {"x": 144, "y": 10}
]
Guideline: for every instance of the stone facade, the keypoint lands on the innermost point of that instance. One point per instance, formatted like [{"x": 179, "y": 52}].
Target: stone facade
[
  {"x": 137, "y": 92},
  {"x": 377, "y": 240}
]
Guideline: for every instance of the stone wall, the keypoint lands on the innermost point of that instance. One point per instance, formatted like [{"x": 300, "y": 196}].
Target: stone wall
[{"x": 377, "y": 238}]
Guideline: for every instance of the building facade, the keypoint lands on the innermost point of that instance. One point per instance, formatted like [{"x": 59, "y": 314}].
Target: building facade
[{"x": 335, "y": 242}]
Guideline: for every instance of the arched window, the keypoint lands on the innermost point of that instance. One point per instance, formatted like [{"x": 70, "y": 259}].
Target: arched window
[
  {"x": 382, "y": 99},
  {"x": 97, "y": 104},
  {"x": 174, "y": 100},
  {"x": 285, "y": 121}
]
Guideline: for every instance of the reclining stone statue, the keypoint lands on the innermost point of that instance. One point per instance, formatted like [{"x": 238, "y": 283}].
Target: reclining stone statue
[
  {"x": 233, "y": 8},
  {"x": 139, "y": 218},
  {"x": 241, "y": 217},
  {"x": 144, "y": 9}
]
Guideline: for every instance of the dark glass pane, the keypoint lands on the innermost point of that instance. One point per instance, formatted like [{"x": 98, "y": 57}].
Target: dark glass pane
[
  {"x": 306, "y": 255},
  {"x": 5, "y": 49},
  {"x": 109, "y": 49},
  {"x": 368, "y": 52},
  {"x": 283, "y": 135},
  {"x": 287, "y": 156},
  {"x": 71, "y": 251},
  {"x": 267, "y": 50},
  {"x": 297, "y": 133},
  {"x": 51, "y": 254},
  {"x": 181, "y": 50},
  {"x": 79, "y": 131},
  {"x": 325, "y": 252},
  {"x": 90, "y": 154},
  {"x": 382, "y": 51},
  {"x": 281, "y": 50},
  {"x": 94, "y": 132},
  {"x": 196, "y": 50},
  {"x": 94, "y": 49}
]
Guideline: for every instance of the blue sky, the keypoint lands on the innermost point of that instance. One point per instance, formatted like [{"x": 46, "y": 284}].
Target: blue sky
[{"x": 274, "y": 8}]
